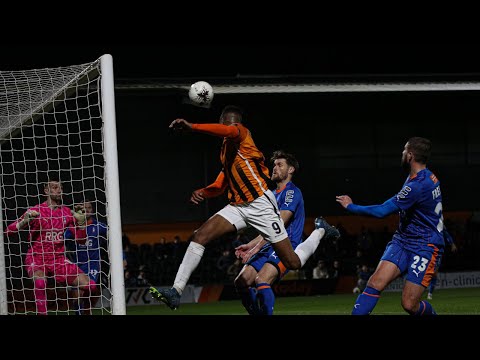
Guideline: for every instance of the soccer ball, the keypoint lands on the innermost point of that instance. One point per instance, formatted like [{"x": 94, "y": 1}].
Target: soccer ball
[{"x": 201, "y": 93}]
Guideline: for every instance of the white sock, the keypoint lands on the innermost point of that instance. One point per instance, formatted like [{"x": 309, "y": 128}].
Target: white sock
[
  {"x": 306, "y": 249},
  {"x": 190, "y": 261}
]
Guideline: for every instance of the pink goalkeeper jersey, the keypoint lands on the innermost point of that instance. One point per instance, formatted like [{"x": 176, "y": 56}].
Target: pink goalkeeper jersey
[{"x": 46, "y": 231}]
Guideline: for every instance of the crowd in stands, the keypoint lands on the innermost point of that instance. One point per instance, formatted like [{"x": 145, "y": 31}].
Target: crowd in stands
[{"x": 352, "y": 254}]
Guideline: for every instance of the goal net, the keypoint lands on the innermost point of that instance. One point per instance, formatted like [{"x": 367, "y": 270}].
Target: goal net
[{"x": 60, "y": 122}]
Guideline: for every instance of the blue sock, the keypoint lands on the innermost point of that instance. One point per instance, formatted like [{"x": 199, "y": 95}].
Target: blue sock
[
  {"x": 425, "y": 309},
  {"x": 249, "y": 299},
  {"x": 366, "y": 301},
  {"x": 266, "y": 298},
  {"x": 432, "y": 285},
  {"x": 254, "y": 299}
]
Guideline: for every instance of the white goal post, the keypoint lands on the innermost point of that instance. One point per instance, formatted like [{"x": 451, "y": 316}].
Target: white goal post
[{"x": 62, "y": 121}]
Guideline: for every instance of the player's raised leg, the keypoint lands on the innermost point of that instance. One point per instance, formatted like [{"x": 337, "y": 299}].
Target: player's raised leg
[{"x": 294, "y": 260}]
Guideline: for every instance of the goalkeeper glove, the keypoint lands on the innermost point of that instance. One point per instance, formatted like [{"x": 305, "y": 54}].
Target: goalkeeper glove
[
  {"x": 79, "y": 215},
  {"x": 29, "y": 216}
]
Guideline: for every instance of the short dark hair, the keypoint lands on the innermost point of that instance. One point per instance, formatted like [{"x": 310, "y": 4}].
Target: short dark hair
[
  {"x": 234, "y": 109},
  {"x": 421, "y": 149},
  {"x": 51, "y": 176},
  {"x": 289, "y": 158}
]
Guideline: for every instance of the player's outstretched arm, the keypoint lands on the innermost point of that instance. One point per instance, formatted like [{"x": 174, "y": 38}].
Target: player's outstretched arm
[
  {"x": 214, "y": 189},
  {"x": 197, "y": 196},
  {"x": 344, "y": 200},
  {"x": 379, "y": 211},
  {"x": 24, "y": 220},
  {"x": 228, "y": 131},
  {"x": 220, "y": 130},
  {"x": 246, "y": 251},
  {"x": 180, "y": 124}
]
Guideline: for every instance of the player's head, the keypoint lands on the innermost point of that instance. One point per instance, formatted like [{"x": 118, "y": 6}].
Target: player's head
[
  {"x": 284, "y": 166},
  {"x": 53, "y": 189},
  {"x": 417, "y": 149},
  {"x": 231, "y": 114},
  {"x": 88, "y": 207}
]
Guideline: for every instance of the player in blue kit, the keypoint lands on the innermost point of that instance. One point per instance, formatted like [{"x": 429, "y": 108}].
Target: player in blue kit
[
  {"x": 87, "y": 255},
  {"x": 262, "y": 266},
  {"x": 417, "y": 245}
]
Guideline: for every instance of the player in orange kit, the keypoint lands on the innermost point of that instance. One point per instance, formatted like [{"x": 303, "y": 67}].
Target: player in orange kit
[{"x": 251, "y": 203}]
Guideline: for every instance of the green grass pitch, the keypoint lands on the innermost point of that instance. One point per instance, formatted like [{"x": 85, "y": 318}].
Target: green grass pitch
[{"x": 445, "y": 302}]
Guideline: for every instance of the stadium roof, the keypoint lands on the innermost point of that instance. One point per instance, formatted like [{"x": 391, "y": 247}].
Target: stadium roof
[{"x": 247, "y": 84}]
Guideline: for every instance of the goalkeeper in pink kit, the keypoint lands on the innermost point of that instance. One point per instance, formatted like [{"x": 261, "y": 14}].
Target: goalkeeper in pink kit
[{"x": 46, "y": 223}]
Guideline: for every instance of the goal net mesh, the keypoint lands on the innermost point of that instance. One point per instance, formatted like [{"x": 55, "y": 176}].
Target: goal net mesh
[{"x": 51, "y": 123}]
